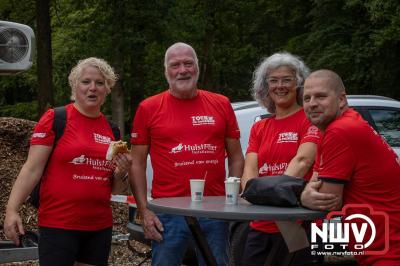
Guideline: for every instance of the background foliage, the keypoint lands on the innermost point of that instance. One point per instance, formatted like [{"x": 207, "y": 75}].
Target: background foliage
[{"x": 358, "y": 39}]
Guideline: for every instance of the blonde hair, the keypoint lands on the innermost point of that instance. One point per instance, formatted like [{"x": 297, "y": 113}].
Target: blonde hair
[{"x": 105, "y": 69}]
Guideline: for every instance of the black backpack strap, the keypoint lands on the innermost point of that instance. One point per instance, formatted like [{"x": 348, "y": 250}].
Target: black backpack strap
[
  {"x": 60, "y": 120},
  {"x": 115, "y": 130}
]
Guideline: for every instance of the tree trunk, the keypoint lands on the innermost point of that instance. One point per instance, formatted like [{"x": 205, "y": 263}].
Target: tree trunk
[
  {"x": 206, "y": 71},
  {"x": 206, "y": 66},
  {"x": 117, "y": 100},
  {"x": 117, "y": 93},
  {"x": 44, "y": 56}
]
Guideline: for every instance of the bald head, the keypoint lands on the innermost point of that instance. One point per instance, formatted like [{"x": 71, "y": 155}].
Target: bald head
[
  {"x": 179, "y": 46},
  {"x": 324, "y": 98},
  {"x": 333, "y": 80}
]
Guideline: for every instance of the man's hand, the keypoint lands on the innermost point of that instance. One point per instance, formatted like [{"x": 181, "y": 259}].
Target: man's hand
[
  {"x": 13, "y": 227},
  {"x": 312, "y": 199},
  {"x": 152, "y": 226}
]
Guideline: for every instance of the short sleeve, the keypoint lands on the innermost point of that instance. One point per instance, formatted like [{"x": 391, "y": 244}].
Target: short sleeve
[
  {"x": 140, "y": 127},
  {"x": 43, "y": 132},
  {"x": 254, "y": 138},
  {"x": 232, "y": 129},
  {"x": 309, "y": 133}
]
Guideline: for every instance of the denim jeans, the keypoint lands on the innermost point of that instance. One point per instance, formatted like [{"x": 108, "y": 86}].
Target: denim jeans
[{"x": 177, "y": 236}]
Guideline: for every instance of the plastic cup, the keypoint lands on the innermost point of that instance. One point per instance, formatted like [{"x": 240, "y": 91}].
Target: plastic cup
[
  {"x": 231, "y": 191},
  {"x": 197, "y": 189}
]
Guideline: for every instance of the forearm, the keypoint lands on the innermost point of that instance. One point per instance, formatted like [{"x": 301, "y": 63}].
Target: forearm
[
  {"x": 303, "y": 161},
  {"x": 137, "y": 175},
  {"x": 250, "y": 168},
  {"x": 138, "y": 184},
  {"x": 120, "y": 185},
  {"x": 235, "y": 167},
  {"x": 235, "y": 157},
  {"x": 27, "y": 179},
  {"x": 298, "y": 167},
  {"x": 247, "y": 175}
]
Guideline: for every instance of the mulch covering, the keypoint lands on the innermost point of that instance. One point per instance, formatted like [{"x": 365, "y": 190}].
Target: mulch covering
[{"x": 14, "y": 145}]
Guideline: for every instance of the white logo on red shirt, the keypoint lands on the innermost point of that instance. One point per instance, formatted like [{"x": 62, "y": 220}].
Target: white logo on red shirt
[
  {"x": 203, "y": 120},
  {"x": 196, "y": 162},
  {"x": 288, "y": 137},
  {"x": 101, "y": 139},
  {"x": 177, "y": 148},
  {"x": 263, "y": 169},
  {"x": 134, "y": 135},
  {"x": 313, "y": 131},
  {"x": 195, "y": 149},
  {"x": 273, "y": 169},
  {"x": 79, "y": 160},
  {"x": 89, "y": 177},
  {"x": 38, "y": 135},
  {"x": 97, "y": 164}
]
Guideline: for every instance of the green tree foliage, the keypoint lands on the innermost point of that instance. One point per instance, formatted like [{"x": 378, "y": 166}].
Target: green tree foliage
[{"x": 358, "y": 39}]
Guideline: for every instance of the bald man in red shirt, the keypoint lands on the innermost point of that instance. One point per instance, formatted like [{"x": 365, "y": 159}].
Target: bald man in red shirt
[{"x": 355, "y": 165}]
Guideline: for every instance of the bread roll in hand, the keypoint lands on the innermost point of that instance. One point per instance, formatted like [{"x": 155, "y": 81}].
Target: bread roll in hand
[{"x": 115, "y": 148}]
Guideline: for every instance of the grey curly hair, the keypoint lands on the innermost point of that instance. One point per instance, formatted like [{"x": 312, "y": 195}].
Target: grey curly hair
[
  {"x": 268, "y": 64},
  {"x": 105, "y": 69}
]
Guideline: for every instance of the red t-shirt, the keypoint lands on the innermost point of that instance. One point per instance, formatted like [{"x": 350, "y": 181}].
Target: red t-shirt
[
  {"x": 186, "y": 139},
  {"x": 76, "y": 185},
  {"x": 276, "y": 142},
  {"x": 352, "y": 152}
]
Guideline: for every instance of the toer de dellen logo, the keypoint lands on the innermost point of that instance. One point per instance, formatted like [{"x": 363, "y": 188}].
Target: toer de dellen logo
[{"x": 355, "y": 232}]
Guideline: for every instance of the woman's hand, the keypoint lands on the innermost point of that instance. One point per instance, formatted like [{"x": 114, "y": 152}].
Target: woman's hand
[
  {"x": 123, "y": 161},
  {"x": 120, "y": 184},
  {"x": 13, "y": 226}
]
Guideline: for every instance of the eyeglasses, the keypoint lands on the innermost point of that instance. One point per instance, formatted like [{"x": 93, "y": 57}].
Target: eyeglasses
[{"x": 285, "y": 81}]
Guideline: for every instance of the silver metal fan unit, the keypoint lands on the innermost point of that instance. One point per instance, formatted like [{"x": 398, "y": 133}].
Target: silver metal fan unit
[{"x": 16, "y": 47}]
